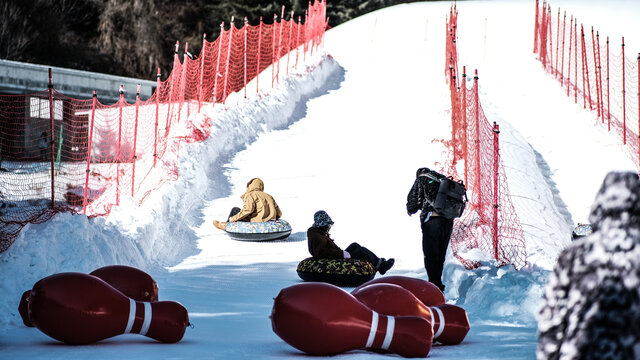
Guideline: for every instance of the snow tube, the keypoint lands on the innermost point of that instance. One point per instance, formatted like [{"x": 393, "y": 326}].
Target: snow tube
[
  {"x": 581, "y": 230},
  {"x": 339, "y": 272},
  {"x": 258, "y": 231}
]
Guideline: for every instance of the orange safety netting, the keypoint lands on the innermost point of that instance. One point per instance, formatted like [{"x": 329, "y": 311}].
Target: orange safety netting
[
  {"x": 604, "y": 82},
  {"x": 59, "y": 154},
  {"x": 489, "y": 222}
]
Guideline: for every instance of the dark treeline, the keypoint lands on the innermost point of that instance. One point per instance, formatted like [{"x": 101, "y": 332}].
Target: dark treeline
[{"x": 136, "y": 37}]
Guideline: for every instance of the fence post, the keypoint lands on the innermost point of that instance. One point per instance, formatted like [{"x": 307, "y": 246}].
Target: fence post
[
  {"x": 464, "y": 122},
  {"x": 595, "y": 70},
  {"x": 557, "y": 42},
  {"x": 496, "y": 162},
  {"x": 575, "y": 56},
  {"x": 279, "y": 53},
  {"x": 155, "y": 133},
  {"x": 171, "y": 86},
  {"x": 600, "y": 75},
  {"x": 135, "y": 142},
  {"x": 608, "y": 93},
  {"x": 273, "y": 49},
  {"x": 203, "y": 55},
  {"x": 182, "y": 81},
  {"x": 289, "y": 43},
  {"x": 51, "y": 142},
  {"x": 564, "y": 22},
  {"x": 569, "y": 58},
  {"x": 119, "y": 144},
  {"x": 299, "y": 26},
  {"x": 583, "y": 59},
  {"x": 259, "y": 53},
  {"x": 215, "y": 80},
  {"x": 86, "y": 180},
  {"x": 477, "y": 147},
  {"x": 536, "y": 29},
  {"x": 624, "y": 99},
  {"x": 244, "y": 68},
  {"x": 226, "y": 68}
]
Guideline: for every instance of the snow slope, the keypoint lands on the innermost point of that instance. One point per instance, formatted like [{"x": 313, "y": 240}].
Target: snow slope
[{"x": 344, "y": 135}]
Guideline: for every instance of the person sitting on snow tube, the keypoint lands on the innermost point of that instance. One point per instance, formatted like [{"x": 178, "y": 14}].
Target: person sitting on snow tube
[
  {"x": 258, "y": 206},
  {"x": 321, "y": 246}
]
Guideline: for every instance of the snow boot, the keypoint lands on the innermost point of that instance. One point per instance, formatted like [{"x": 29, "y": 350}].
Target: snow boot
[{"x": 220, "y": 225}]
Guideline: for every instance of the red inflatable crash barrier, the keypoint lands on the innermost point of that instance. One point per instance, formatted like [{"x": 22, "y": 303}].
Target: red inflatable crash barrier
[
  {"x": 450, "y": 322},
  {"x": 323, "y": 319},
  {"x": 130, "y": 281},
  {"x": 425, "y": 291},
  {"x": 78, "y": 308}
]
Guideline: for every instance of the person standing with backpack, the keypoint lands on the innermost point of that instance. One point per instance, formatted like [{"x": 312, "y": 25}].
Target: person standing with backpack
[{"x": 436, "y": 227}]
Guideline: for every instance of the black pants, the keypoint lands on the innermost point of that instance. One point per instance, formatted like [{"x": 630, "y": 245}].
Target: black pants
[
  {"x": 435, "y": 240},
  {"x": 362, "y": 253},
  {"x": 234, "y": 211}
]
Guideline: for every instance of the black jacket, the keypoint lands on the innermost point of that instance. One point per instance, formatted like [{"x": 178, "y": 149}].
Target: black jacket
[{"x": 423, "y": 188}]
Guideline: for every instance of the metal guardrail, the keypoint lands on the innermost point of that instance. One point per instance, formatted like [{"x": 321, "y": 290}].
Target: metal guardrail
[{"x": 23, "y": 78}]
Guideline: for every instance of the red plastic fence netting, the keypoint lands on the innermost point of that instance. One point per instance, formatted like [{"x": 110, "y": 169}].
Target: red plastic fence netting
[
  {"x": 596, "y": 72},
  {"x": 59, "y": 154},
  {"x": 490, "y": 222}
]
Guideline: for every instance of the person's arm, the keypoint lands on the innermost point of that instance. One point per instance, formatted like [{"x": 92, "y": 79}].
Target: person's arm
[
  {"x": 414, "y": 198},
  {"x": 322, "y": 247},
  {"x": 278, "y": 212},
  {"x": 248, "y": 208}
]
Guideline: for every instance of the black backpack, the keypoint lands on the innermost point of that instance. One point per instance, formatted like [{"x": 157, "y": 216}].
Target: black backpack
[{"x": 449, "y": 198}]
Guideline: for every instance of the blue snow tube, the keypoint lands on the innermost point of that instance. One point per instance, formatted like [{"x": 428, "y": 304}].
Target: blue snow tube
[{"x": 258, "y": 231}]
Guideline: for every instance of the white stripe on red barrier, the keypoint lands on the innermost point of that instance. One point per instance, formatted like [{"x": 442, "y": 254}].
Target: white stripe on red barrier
[
  {"x": 132, "y": 316},
  {"x": 391, "y": 325},
  {"x": 374, "y": 328},
  {"x": 147, "y": 319}
]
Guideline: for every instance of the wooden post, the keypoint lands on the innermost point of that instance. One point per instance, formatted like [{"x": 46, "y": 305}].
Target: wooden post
[
  {"x": 608, "y": 93},
  {"x": 226, "y": 68},
  {"x": 155, "y": 133},
  {"x": 569, "y": 59},
  {"x": 215, "y": 81},
  {"x": 183, "y": 78},
  {"x": 119, "y": 144},
  {"x": 203, "y": 56},
  {"x": 298, "y": 41},
  {"x": 583, "y": 60},
  {"x": 176, "y": 61},
  {"x": 51, "y": 142},
  {"x": 465, "y": 148},
  {"x": 575, "y": 67},
  {"x": 595, "y": 68},
  {"x": 477, "y": 174},
  {"x": 88, "y": 170},
  {"x": 564, "y": 22},
  {"x": 134, "y": 158},
  {"x": 244, "y": 68},
  {"x": 557, "y": 42},
  {"x": 496, "y": 174},
  {"x": 289, "y": 42},
  {"x": 259, "y": 51},
  {"x": 624, "y": 99},
  {"x": 536, "y": 35},
  {"x": 273, "y": 50},
  {"x": 600, "y": 76}
]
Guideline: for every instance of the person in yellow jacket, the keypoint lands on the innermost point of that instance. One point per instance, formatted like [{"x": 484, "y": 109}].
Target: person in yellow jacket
[{"x": 258, "y": 206}]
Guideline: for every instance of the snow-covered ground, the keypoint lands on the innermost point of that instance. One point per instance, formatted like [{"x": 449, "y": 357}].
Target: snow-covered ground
[{"x": 345, "y": 135}]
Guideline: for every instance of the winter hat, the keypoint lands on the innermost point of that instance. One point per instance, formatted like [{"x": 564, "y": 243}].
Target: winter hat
[{"x": 321, "y": 218}]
